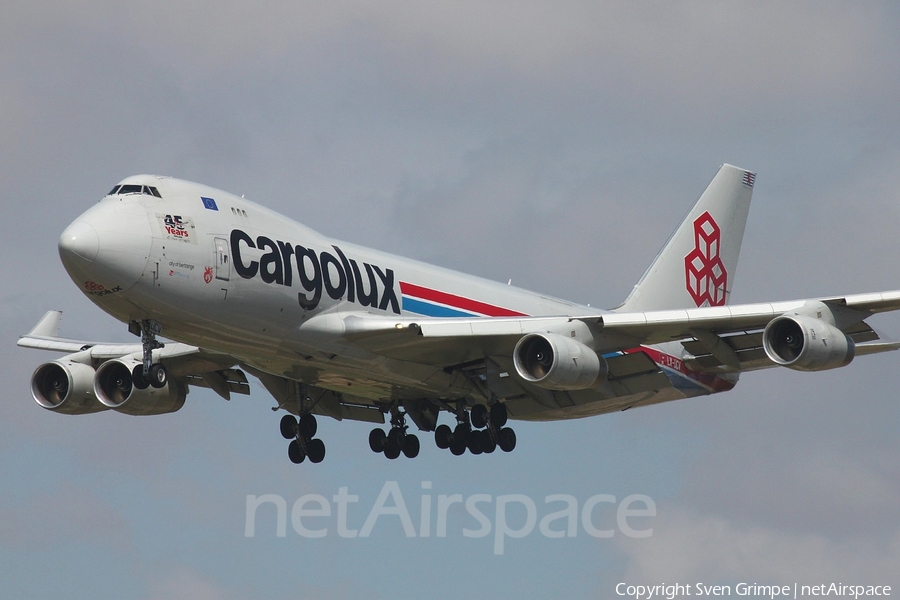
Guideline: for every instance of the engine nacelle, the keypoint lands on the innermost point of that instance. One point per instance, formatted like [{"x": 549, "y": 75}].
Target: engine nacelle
[
  {"x": 807, "y": 344},
  {"x": 65, "y": 387},
  {"x": 557, "y": 362},
  {"x": 115, "y": 388}
]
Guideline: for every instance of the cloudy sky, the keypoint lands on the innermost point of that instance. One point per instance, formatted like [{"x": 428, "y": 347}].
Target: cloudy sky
[{"x": 556, "y": 144}]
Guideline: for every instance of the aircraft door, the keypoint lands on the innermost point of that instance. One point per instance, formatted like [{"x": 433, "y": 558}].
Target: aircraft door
[{"x": 223, "y": 263}]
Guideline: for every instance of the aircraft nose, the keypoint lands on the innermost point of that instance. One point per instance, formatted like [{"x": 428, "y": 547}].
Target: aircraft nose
[
  {"x": 79, "y": 242},
  {"x": 105, "y": 250}
]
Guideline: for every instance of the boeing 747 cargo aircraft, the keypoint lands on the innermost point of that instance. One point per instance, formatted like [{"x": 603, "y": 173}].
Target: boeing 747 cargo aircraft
[{"x": 217, "y": 286}]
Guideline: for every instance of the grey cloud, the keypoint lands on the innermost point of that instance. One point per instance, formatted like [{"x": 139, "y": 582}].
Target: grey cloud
[{"x": 692, "y": 547}]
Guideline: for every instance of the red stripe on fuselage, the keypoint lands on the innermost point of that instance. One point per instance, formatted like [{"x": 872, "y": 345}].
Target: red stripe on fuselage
[{"x": 457, "y": 301}]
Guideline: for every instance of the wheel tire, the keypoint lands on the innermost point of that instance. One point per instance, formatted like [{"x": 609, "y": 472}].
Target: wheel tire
[
  {"x": 377, "y": 440},
  {"x": 316, "y": 450},
  {"x": 474, "y": 443},
  {"x": 488, "y": 444},
  {"x": 457, "y": 448},
  {"x": 308, "y": 426},
  {"x": 411, "y": 446},
  {"x": 395, "y": 438},
  {"x": 499, "y": 415},
  {"x": 506, "y": 439},
  {"x": 137, "y": 378},
  {"x": 479, "y": 416},
  {"x": 461, "y": 434},
  {"x": 288, "y": 427},
  {"x": 295, "y": 453},
  {"x": 442, "y": 436},
  {"x": 158, "y": 376},
  {"x": 391, "y": 452}
]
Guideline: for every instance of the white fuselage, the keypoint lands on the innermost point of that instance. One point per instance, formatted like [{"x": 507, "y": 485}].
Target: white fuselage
[{"x": 226, "y": 274}]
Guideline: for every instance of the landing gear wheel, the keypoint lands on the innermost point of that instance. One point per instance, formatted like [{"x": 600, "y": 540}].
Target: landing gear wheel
[
  {"x": 411, "y": 446},
  {"x": 395, "y": 438},
  {"x": 461, "y": 435},
  {"x": 457, "y": 448},
  {"x": 377, "y": 440},
  {"x": 488, "y": 444},
  {"x": 137, "y": 378},
  {"x": 391, "y": 452},
  {"x": 288, "y": 427},
  {"x": 295, "y": 453},
  {"x": 308, "y": 426},
  {"x": 158, "y": 376},
  {"x": 499, "y": 415},
  {"x": 479, "y": 416},
  {"x": 315, "y": 448},
  {"x": 475, "y": 443},
  {"x": 442, "y": 436},
  {"x": 506, "y": 439}
]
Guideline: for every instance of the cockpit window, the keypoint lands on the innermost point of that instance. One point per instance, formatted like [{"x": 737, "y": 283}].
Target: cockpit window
[{"x": 147, "y": 190}]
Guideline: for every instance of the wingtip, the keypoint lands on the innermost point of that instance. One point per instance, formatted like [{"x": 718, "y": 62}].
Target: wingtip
[{"x": 48, "y": 326}]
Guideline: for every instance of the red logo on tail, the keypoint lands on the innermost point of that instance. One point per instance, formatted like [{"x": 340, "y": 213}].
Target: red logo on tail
[{"x": 705, "y": 275}]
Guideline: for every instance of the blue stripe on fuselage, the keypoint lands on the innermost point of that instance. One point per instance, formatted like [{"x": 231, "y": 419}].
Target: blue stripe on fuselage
[{"x": 432, "y": 310}]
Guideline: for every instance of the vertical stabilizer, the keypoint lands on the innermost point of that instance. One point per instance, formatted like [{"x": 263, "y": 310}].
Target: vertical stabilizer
[{"x": 696, "y": 267}]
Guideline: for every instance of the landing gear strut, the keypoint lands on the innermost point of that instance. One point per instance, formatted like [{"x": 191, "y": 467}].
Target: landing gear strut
[
  {"x": 396, "y": 441},
  {"x": 147, "y": 373}
]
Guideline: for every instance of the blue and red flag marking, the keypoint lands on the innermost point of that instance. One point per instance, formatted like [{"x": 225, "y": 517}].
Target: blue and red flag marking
[
  {"x": 682, "y": 377},
  {"x": 434, "y": 303}
]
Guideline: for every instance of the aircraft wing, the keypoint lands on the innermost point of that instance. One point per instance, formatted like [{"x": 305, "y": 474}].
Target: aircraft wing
[
  {"x": 191, "y": 364},
  {"x": 728, "y": 336}
]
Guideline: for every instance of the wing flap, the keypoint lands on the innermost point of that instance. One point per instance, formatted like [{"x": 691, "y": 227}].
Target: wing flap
[
  {"x": 634, "y": 373},
  {"x": 223, "y": 382}
]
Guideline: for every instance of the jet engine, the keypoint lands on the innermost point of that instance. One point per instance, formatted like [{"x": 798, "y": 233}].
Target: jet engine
[
  {"x": 807, "y": 344},
  {"x": 65, "y": 387},
  {"x": 557, "y": 362},
  {"x": 115, "y": 388}
]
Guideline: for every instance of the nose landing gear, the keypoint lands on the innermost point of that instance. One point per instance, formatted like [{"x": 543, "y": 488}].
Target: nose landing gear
[{"x": 148, "y": 373}]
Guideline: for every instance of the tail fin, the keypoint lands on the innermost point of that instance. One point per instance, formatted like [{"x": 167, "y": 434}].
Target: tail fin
[{"x": 696, "y": 267}]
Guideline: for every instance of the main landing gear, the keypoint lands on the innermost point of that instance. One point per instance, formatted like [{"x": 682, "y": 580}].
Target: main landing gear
[
  {"x": 147, "y": 373},
  {"x": 396, "y": 441},
  {"x": 303, "y": 442},
  {"x": 488, "y": 433},
  {"x": 480, "y": 430}
]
